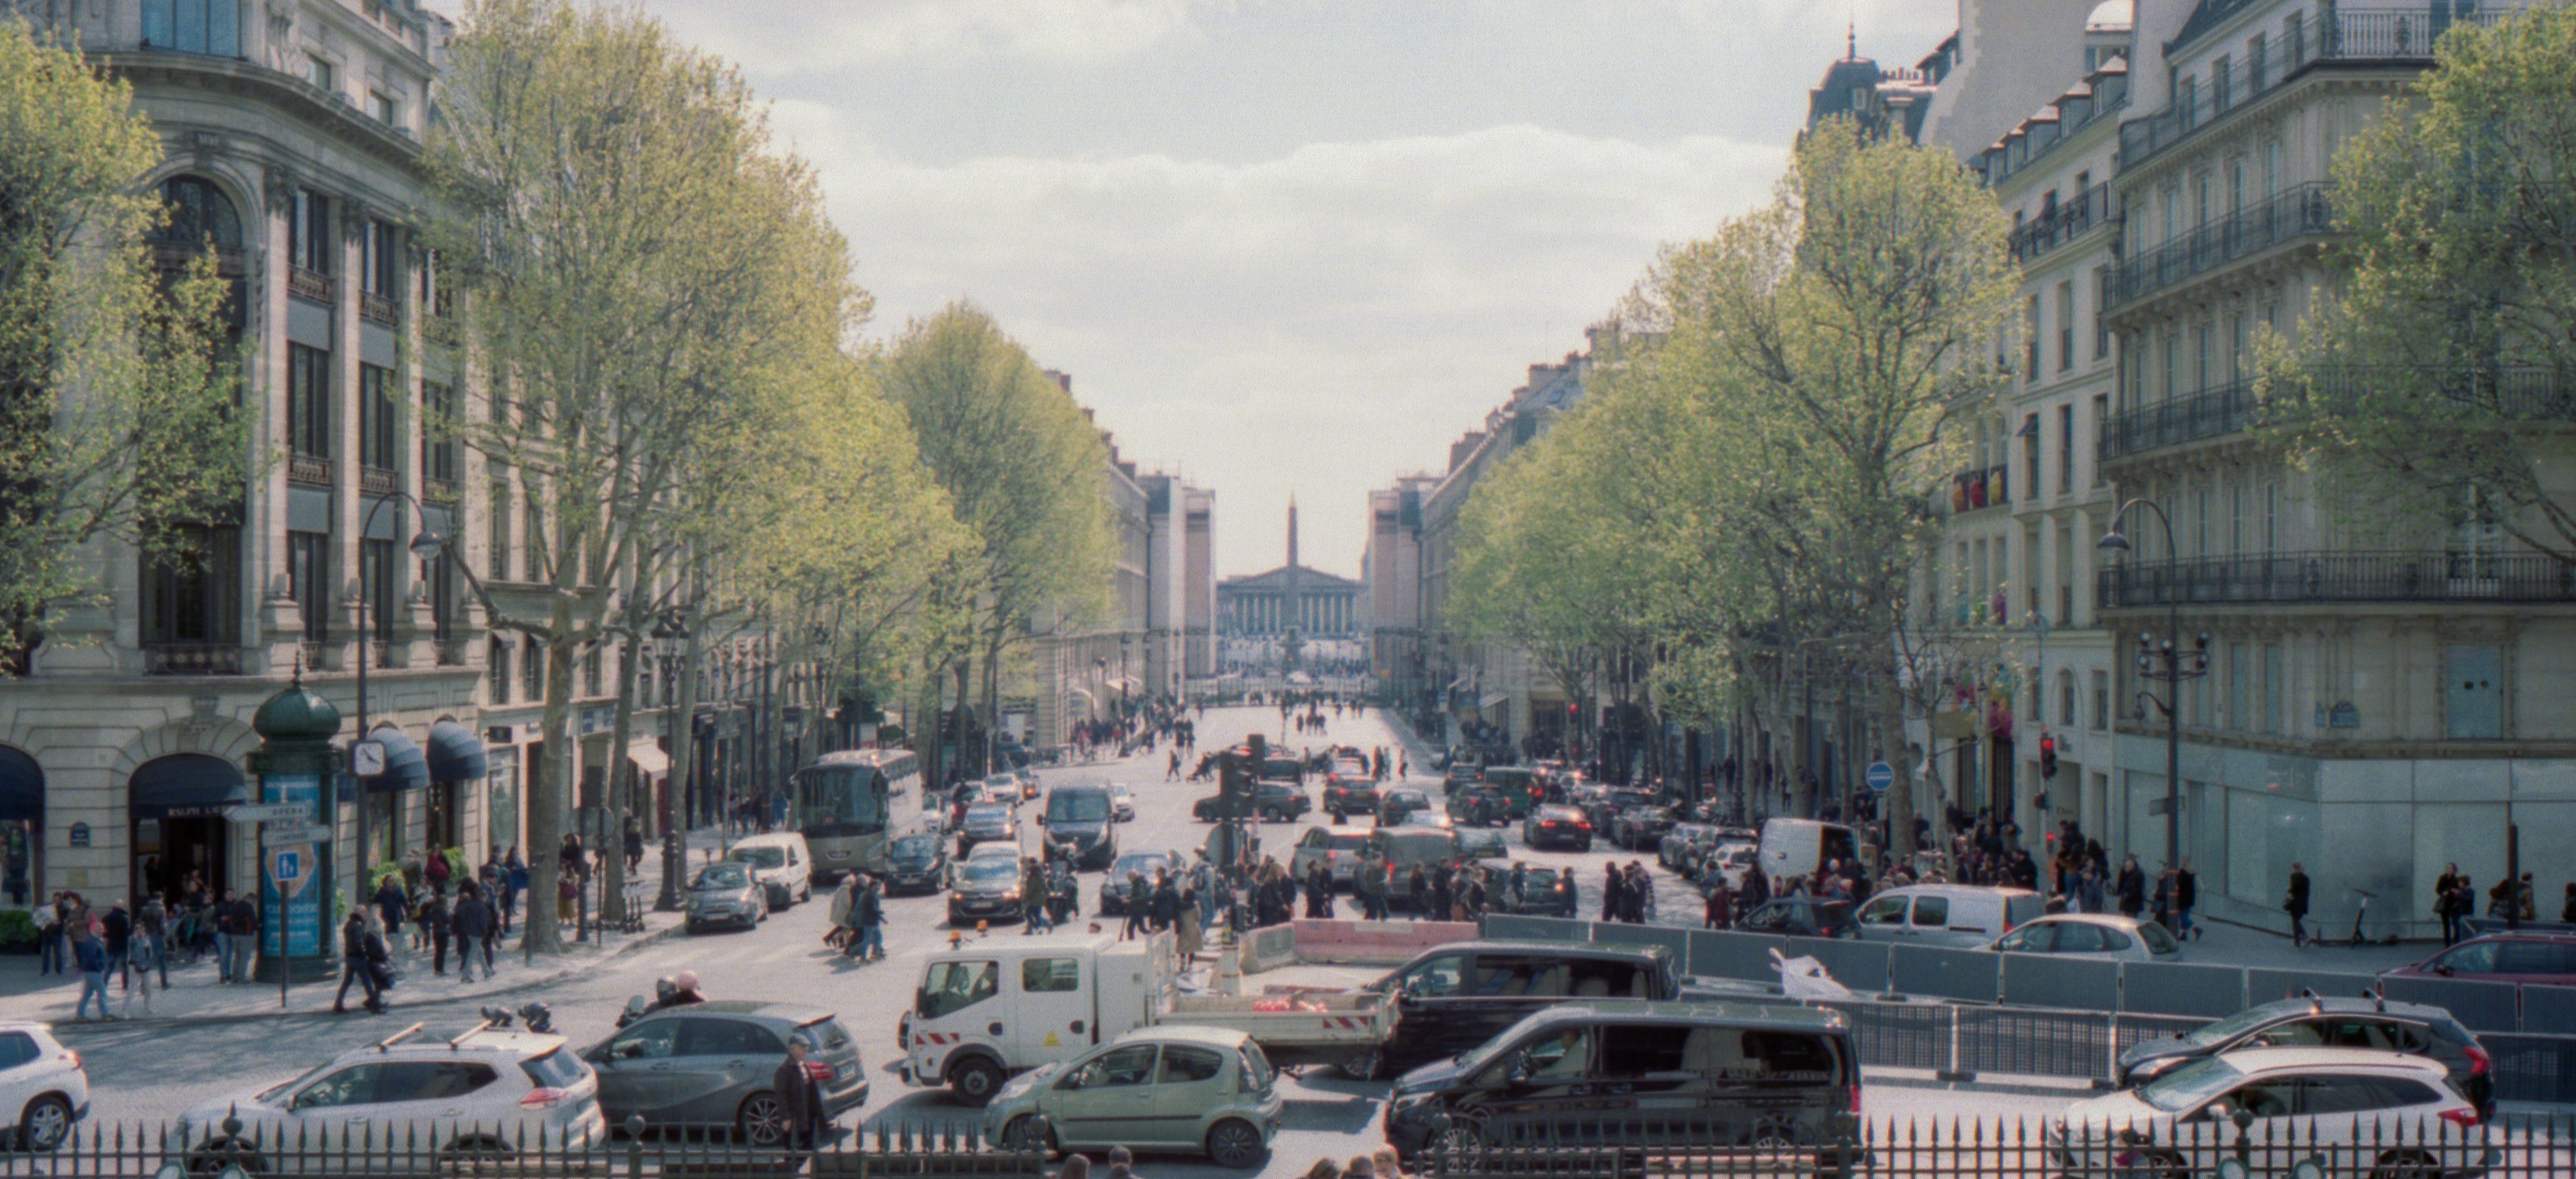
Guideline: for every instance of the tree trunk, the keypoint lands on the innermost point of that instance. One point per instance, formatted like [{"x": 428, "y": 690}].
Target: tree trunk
[
  {"x": 546, "y": 794},
  {"x": 1900, "y": 808},
  {"x": 621, "y": 773}
]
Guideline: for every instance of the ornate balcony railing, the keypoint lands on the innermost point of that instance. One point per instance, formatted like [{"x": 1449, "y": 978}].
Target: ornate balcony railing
[
  {"x": 2405, "y": 34},
  {"x": 312, "y": 285},
  {"x": 376, "y": 308},
  {"x": 192, "y": 658},
  {"x": 174, "y": 254},
  {"x": 308, "y": 468},
  {"x": 2209, "y": 414},
  {"x": 2071, "y": 220},
  {"x": 2302, "y": 210},
  {"x": 2323, "y": 577},
  {"x": 375, "y": 480}
]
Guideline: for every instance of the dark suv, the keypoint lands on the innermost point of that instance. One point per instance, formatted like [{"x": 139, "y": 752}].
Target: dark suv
[
  {"x": 1346, "y": 795},
  {"x": 2329, "y": 1023},
  {"x": 1801, "y": 917},
  {"x": 1081, "y": 820},
  {"x": 1451, "y": 998}
]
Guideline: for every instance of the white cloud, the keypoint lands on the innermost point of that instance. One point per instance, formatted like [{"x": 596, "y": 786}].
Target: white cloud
[
  {"x": 1319, "y": 321},
  {"x": 799, "y": 35}
]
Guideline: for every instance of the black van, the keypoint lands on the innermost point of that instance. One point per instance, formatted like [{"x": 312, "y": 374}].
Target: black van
[
  {"x": 1614, "y": 1073},
  {"x": 1453, "y": 998}
]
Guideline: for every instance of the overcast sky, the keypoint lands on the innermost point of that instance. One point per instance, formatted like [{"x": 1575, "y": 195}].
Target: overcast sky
[{"x": 1287, "y": 246}]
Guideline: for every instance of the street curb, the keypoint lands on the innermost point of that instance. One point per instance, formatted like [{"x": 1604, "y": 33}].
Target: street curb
[{"x": 158, "y": 1021}]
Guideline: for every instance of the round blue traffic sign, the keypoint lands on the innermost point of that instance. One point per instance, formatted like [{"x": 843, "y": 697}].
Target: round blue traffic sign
[{"x": 1880, "y": 776}]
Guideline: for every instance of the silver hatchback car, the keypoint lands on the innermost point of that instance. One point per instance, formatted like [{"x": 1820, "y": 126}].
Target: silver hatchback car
[
  {"x": 709, "y": 1067},
  {"x": 1175, "y": 1088}
]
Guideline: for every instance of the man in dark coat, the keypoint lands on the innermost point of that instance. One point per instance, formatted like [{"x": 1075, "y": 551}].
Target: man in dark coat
[
  {"x": 2132, "y": 888},
  {"x": 2297, "y": 904},
  {"x": 472, "y": 923},
  {"x": 1612, "y": 887},
  {"x": 357, "y": 965},
  {"x": 800, "y": 1099}
]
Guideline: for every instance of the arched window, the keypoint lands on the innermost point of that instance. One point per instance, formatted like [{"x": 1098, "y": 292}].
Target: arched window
[{"x": 200, "y": 213}]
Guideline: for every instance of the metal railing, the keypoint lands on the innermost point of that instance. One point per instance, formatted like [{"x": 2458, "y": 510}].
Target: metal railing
[
  {"x": 2299, "y": 211},
  {"x": 2404, "y": 34},
  {"x": 2208, "y": 414},
  {"x": 312, "y": 285},
  {"x": 376, "y": 308},
  {"x": 143, "y": 1150},
  {"x": 192, "y": 658},
  {"x": 2069, "y": 221},
  {"x": 2421, "y": 576}
]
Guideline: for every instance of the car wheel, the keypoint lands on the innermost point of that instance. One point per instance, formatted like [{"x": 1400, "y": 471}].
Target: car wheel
[
  {"x": 1029, "y": 1132},
  {"x": 762, "y": 1120},
  {"x": 975, "y": 1079},
  {"x": 1235, "y": 1144},
  {"x": 2406, "y": 1164},
  {"x": 1364, "y": 1066},
  {"x": 806, "y": 893},
  {"x": 45, "y": 1123}
]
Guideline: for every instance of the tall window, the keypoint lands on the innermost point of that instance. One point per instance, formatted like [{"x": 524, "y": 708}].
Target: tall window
[
  {"x": 2065, "y": 325},
  {"x": 2294, "y": 33},
  {"x": 308, "y": 401},
  {"x": 310, "y": 247},
  {"x": 2066, "y": 579},
  {"x": 2238, "y": 671},
  {"x": 499, "y": 514},
  {"x": 2187, "y": 100},
  {"x": 2101, "y": 299},
  {"x": 2272, "y": 688},
  {"x": 308, "y": 578},
  {"x": 438, "y": 431},
  {"x": 534, "y": 539},
  {"x": 2221, "y": 85},
  {"x": 532, "y": 669},
  {"x": 2030, "y": 339},
  {"x": 2101, "y": 700},
  {"x": 590, "y": 672},
  {"x": 2101, "y": 415},
  {"x": 496, "y": 658},
  {"x": 379, "y": 419},
  {"x": 383, "y": 261},
  {"x": 211, "y": 27},
  {"x": 194, "y": 595},
  {"x": 376, "y": 581},
  {"x": 200, "y": 214},
  {"x": 2257, "y": 65}
]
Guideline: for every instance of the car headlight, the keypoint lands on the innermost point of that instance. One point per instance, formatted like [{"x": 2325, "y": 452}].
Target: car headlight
[{"x": 1012, "y": 895}]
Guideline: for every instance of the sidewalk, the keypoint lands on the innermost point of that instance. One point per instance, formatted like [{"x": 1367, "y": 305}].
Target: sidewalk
[{"x": 195, "y": 997}]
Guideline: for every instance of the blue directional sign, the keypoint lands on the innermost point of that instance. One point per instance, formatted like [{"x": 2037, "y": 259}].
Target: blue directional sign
[{"x": 1880, "y": 776}]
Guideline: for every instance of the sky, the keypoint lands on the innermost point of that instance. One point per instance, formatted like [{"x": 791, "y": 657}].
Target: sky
[{"x": 1286, "y": 247}]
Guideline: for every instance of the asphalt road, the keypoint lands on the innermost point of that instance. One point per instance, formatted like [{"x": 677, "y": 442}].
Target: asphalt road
[{"x": 150, "y": 1074}]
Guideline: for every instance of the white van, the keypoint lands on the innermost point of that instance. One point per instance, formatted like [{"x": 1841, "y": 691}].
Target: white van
[
  {"x": 1797, "y": 847},
  {"x": 1961, "y": 916},
  {"x": 781, "y": 862}
]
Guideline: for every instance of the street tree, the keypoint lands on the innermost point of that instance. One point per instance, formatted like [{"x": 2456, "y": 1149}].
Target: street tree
[
  {"x": 2420, "y": 397},
  {"x": 118, "y": 378}
]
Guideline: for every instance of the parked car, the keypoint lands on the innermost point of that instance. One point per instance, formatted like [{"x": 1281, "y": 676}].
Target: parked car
[
  {"x": 725, "y": 894},
  {"x": 1272, "y": 802},
  {"x": 1727, "y": 864},
  {"x": 2103, "y": 936},
  {"x": 1122, "y": 802},
  {"x": 1003, "y": 789},
  {"x": 781, "y": 862},
  {"x": 984, "y": 889},
  {"x": 2378, "y": 1025},
  {"x": 1479, "y": 806},
  {"x": 2388, "y": 1113},
  {"x": 1670, "y": 1075},
  {"x": 707, "y": 1068},
  {"x": 405, "y": 1105},
  {"x": 1083, "y": 821},
  {"x": 1349, "y": 790},
  {"x": 1801, "y": 917},
  {"x": 42, "y": 1082},
  {"x": 1682, "y": 845},
  {"x": 916, "y": 863},
  {"x": 990, "y": 823},
  {"x": 1113, "y": 883},
  {"x": 1481, "y": 843},
  {"x": 1640, "y": 827},
  {"x": 1557, "y": 826},
  {"x": 1545, "y": 892},
  {"x": 1394, "y": 805},
  {"x": 1450, "y": 999},
  {"x": 1959, "y": 916},
  {"x": 1603, "y": 806},
  {"x": 1338, "y": 851},
  {"x": 2503, "y": 957},
  {"x": 1179, "y": 1088}
]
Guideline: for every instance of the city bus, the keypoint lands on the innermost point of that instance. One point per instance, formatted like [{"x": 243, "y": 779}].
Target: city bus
[{"x": 845, "y": 803}]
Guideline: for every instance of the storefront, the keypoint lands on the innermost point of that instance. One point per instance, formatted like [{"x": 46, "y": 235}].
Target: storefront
[
  {"x": 389, "y": 795},
  {"x": 22, "y": 825},
  {"x": 456, "y": 768},
  {"x": 177, "y": 807}
]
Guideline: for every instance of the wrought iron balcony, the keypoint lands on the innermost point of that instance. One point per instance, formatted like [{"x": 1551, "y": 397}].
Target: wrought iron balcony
[
  {"x": 192, "y": 658},
  {"x": 2300, "y": 211},
  {"x": 376, "y": 480},
  {"x": 376, "y": 308},
  {"x": 2069, "y": 221},
  {"x": 313, "y": 469},
  {"x": 312, "y": 285},
  {"x": 2332, "y": 577},
  {"x": 2210, "y": 414}
]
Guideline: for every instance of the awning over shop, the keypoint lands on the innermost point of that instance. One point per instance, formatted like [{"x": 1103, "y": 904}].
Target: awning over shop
[
  {"x": 1490, "y": 699},
  {"x": 184, "y": 785},
  {"x": 650, "y": 761},
  {"x": 455, "y": 754},
  {"x": 22, "y": 787},
  {"x": 406, "y": 768}
]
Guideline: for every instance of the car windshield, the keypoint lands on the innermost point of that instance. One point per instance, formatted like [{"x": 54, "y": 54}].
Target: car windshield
[
  {"x": 914, "y": 849},
  {"x": 989, "y": 814},
  {"x": 1346, "y": 840},
  {"x": 760, "y": 857},
  {"x": 2213, "y": 1034},
  {"x": 1144, "y": 862},
  {"x": 1082, "y": 806},
  {"x": 1408, "y": 798},
  {"x": 1558, "y": 814},
  {"x": 1003, "y": 780},
  {"x": 990, "y": 870},
  {"x": 1539, "y": 878},
  {"x": 2192, "y": 1085},
  {"x": 726, "y": 875}
]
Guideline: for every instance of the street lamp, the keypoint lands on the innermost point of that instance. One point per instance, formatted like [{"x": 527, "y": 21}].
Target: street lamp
[
  {"x": 670, "y": 642},
  {"x": 425, "y": 545},
  {"x": 2167, "y": 664}
]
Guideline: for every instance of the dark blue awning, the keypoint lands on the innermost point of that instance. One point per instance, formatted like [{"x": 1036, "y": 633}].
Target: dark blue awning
[
  {"x": 406, "y": 768},
  {"x": 186, "y": 785},
  {"x": 22, "y": 787},
  {"x": 455, "y": 754}
]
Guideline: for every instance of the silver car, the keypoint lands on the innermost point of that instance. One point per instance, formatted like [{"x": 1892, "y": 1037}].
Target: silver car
[
  {"x": 709, "y": 1068},
  {"x": 2102, "y": 936},
  {"x": 726, "y": 894},
  {"x": 1203, "y": 1090}
]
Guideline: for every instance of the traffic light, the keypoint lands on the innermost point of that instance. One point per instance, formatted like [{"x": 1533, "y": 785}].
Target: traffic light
[{"x": 2047, "y": 755}]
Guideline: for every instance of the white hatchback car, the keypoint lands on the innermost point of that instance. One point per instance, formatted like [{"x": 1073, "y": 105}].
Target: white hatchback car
[
  {"x": 41, "y": 1083},
  {"x": 2103, "y": 936},
  {"x": 2361, "y": 1112},
  {"x": 1122, "y": 803},
  {"x": 405, "y": 1105},
  {"x": 782, "y": 864}
]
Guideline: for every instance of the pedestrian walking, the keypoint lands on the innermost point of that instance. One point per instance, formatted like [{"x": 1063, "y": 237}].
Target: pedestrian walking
[
  {"x": 1719, "y": 912},
  {"x": 1137, "y": 899},
  {"x": 800, "y": 1098},
  {"x": 514, "y": 886},
  {"x": 2443, "y": 885},
  {"x": 1033, "y": 897},
  {"x": 117, "y": 930},
  {"x": 50, "y": 945},
  {"x": 1612, "y": 886},
  {"x": 357, "y": 965},
  {"x": 634, "y": 845},
  {"x": 868, "y": 913},
  {"x": 2296, "y": 904},
  {"x": 472, "y": 923},
  {"x": 843, "y": 894},
  {"x": 90, "y": 954},
  {"x": 391, "y": 904},
  {"x": 1164, "y": 907},
  {"x": 2186, "y": 897},
  {"x": 145, "y": 956},
  {"x": 152, "y": 935},
  {"x": 1189, "y": 935},
  {"x": 2132, "y": 888},
  {"x": 433, "y": 918}
]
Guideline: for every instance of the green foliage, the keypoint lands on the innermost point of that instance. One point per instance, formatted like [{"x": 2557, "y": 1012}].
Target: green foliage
[
  {"x": 117, "y": 389},
  {"x": 2414, "y": 397},
  {"x": 17, "y": 927}
]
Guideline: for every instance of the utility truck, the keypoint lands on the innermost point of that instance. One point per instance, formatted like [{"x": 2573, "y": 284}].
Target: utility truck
[{"x": 988, "y": 1009}]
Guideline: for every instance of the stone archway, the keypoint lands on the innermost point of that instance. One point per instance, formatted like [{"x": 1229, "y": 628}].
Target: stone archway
[{"x": 188, "y": 826}]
